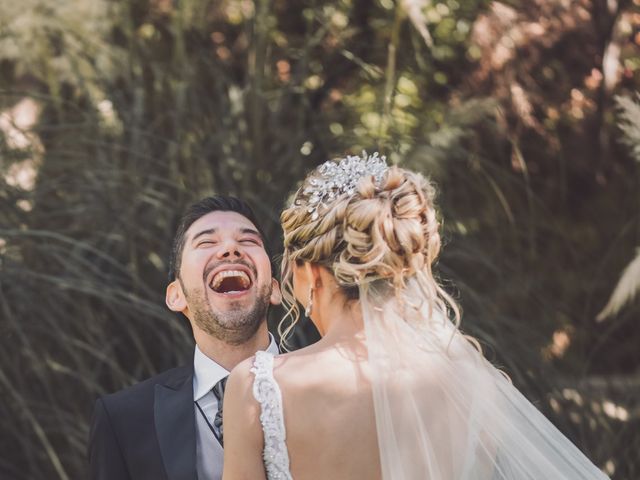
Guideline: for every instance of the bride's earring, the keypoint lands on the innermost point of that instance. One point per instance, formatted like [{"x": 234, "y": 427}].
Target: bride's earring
[{"x": 307, "y": 311}]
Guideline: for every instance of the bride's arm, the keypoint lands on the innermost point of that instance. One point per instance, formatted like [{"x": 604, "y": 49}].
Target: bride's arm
[{"x": 243, "y": 438}]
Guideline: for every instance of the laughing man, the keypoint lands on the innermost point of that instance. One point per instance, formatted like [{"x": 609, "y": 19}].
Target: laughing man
[{"x": 170, "y": 426}]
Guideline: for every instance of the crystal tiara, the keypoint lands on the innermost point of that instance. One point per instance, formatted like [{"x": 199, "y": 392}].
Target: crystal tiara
[{"x": 336, "y": 178}]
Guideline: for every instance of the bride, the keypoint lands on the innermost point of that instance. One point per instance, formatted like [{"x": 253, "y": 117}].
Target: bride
[{"x": 393, "y": 390}]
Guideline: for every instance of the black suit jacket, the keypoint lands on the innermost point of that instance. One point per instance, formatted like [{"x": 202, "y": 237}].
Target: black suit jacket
[{"x": 147, "y": 431}]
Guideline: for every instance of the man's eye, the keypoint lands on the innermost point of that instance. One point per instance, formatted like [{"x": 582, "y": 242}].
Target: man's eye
[
  {"x": 206, "y": 243},
  {"x": 252, "y": 241}
]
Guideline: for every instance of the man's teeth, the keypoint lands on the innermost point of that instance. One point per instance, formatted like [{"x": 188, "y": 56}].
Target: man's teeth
[{"x": 217, "y": 280}]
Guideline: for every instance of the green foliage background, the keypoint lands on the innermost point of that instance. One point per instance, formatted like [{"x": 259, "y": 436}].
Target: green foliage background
[{"x": 118, "y": 113}]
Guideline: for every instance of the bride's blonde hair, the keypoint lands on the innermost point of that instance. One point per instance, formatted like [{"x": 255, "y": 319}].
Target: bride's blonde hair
[{"x": 383, "y": 230}]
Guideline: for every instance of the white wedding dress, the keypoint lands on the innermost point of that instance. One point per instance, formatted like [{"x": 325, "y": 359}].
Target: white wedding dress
[
  {"x": 267, "y": 393},
  {"x": 442, "y": 411}
]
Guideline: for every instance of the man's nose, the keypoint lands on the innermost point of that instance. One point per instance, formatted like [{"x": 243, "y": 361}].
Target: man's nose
[{"x": 230, "y": 250}]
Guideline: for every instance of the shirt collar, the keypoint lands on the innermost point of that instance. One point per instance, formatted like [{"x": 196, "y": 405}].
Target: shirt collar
[{"x": 207, "y": 372}]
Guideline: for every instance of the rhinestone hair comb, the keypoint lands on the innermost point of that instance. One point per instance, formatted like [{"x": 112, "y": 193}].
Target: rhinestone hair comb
[{"x": 337, "y": 178}]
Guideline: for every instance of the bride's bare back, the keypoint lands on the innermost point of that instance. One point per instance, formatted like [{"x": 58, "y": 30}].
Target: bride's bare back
[{"x": 328, "y": 415}]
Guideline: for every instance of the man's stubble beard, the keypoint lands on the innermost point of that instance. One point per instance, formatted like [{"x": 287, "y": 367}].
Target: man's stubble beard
[{"x": 235, "y": 326}]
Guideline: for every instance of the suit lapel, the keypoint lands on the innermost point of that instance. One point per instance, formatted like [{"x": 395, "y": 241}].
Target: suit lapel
[{"x": 175, "y": 425}]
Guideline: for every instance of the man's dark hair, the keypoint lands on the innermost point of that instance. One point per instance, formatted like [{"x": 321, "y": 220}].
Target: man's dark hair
[{"x": 217, "y": 203}]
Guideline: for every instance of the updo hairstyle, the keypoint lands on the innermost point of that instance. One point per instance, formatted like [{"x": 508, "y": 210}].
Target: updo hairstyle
[{"x": 383, "y": 230}]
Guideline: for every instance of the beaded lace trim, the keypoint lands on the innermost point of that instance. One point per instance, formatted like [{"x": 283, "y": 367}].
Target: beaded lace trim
[{"x": 267, "y": 392}]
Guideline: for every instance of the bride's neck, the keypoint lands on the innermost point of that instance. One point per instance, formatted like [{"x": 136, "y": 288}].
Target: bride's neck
[{"x": 337, "y": 317}]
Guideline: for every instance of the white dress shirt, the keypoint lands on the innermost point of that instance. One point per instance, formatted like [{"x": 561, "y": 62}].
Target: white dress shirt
[{"x": 206, "y": 373}]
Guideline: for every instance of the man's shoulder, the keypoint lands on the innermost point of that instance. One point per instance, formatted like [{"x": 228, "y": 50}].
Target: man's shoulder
[
  {"x": 141, "y": 394},
  {"x": 123, "y": 434}
]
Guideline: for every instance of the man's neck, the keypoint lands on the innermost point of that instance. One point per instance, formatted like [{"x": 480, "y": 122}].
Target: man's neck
[{"x": 228, "y": 356}]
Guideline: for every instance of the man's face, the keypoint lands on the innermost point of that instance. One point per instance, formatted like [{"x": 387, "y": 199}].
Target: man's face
[{"x": 225, "y": 277}]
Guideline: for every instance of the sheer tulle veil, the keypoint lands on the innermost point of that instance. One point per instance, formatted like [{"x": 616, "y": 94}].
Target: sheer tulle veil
[{"x": 445, "y": 413}]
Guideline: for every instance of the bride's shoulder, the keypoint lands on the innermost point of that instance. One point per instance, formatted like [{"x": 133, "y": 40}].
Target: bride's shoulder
[
  {"x": 293, "y": 371},
  {"x": 240, "y": 406},
  {"x": 242, "y": 377},
  {"x": 240, "y": 381}
]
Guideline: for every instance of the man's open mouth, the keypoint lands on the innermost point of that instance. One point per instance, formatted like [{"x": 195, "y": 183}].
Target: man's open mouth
[{"x": 230, "y": 281}]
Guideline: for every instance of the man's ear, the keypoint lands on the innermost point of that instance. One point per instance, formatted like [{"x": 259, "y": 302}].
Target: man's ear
[
  {"x": 174, "y": 298},
  {"x": 276, "y": 293}
]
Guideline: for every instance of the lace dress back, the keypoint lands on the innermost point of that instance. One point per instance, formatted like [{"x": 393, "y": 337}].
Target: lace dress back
[{"x": 267, "y": 392}]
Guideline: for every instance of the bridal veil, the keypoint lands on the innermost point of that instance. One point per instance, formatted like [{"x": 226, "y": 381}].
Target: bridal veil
[{"x": 442, "y": 411}]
